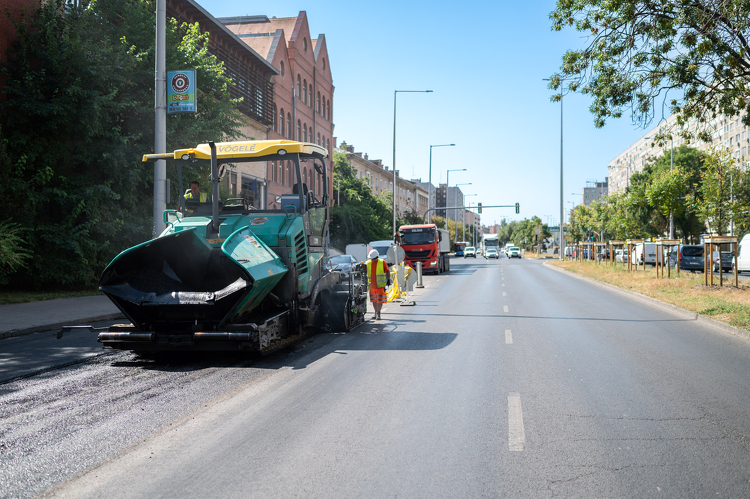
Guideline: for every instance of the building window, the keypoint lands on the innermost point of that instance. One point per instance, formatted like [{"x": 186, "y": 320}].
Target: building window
[
  {"x": 273, "y": 172},
  {"x": 328, "y": 110},
  {"x": 309, "y": 96},
  {"x": 324, "y": 63},
  {"x": 304, "y": 90},
  {"x": 299, "y": 130},
  {"x": 318, "y": 139},
  {"x": 281, "y": 173},
  {"x": 304, "y": 44},
  {"x": 281, "y": 67},
  {"x": 288, "y": 125},
  {"x": 281, "y": 122},
  {"x": 299, "y": 86},
  {"x": 304, "y": 132},
  {"x": 329, "y": 144},
  {"x": 317, "y": 104}
]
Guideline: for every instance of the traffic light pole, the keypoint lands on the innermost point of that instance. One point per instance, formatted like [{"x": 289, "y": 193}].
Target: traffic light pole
[{"x": 478, "y": 208}]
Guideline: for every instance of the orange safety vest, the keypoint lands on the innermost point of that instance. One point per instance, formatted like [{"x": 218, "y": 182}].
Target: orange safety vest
[{"x": 380, "y": 278}]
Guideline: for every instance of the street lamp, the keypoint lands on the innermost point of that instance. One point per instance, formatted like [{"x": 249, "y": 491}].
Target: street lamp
[
  {"x": 562, "y": 93},
  {"x": 395, "y": 94},
  {"x": 429, "y": 199},
  {"x": 447, "y": 203}
]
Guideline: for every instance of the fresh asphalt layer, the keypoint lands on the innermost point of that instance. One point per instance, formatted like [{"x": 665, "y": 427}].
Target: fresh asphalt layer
[{"x": 506, "y": 378}]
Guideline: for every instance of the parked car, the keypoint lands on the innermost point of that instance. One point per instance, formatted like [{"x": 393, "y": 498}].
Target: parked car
[
  {"x": 470, "y": 251},
  {"x": 342, "y": 263},
  {"x": 691, "y": 257},
  {"x": 514, "y": 252},
  {"x": 726, "y": 261},
  {"x": 492, "y": 253},
  {"x": 621, "y": 256}
]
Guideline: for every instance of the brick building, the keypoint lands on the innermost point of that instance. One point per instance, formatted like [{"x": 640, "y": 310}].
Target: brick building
[
  {"x": 411, "y": 197},
  {"x": 302, "y": 91},
  {"x": 7, "y": 30},
  {"x": 253, "y": 75}
]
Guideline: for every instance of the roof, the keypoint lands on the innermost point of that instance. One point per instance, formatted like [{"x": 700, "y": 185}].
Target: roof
[{"x": 249, "y": 150}]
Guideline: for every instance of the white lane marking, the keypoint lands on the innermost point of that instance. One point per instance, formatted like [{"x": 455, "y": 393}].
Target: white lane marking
[
  {"x": 516, "y": 433},
  {"x": 508, "y": 337},
  {"x": 503, "y": 284},
  {"x": 503, "y": 293},
  {"x": 505, "y": 308}
]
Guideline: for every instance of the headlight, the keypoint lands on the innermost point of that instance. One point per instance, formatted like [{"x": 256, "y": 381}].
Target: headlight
[{"x": 432, "y": 264}]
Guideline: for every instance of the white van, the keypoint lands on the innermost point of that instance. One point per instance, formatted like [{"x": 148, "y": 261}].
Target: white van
[
  {"x": 743, "y": 254},
  {"x": 650, "y": 254}
]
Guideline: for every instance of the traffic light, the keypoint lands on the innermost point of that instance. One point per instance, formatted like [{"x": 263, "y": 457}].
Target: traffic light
[
  {"x": 518, "y": 208},
  {"x": 480, "y": 208}
]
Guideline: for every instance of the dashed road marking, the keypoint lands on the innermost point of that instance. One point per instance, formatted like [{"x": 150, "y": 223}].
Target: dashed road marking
[
  {"x": 508, "y": 337},
  {"x": 516, "y": 433},
  {"x": 503, "y": 293},
  {"x": 505, "y": 308}
]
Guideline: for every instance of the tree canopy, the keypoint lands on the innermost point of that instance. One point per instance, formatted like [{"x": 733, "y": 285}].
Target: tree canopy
[
  {"x": 688, "y": 58},
  {"x": 77, "y": 117}
]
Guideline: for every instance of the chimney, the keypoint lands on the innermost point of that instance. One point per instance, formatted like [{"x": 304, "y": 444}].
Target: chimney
[{"x": 365, "y": 156}]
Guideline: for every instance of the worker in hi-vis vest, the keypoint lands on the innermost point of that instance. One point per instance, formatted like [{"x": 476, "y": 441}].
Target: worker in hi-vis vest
[
  {"x": 379, "y": 276},
  {"x": 196, "y": 194}
]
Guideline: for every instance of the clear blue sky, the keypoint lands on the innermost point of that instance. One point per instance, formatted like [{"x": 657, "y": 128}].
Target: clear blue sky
[{"x": 485, "y": 62}]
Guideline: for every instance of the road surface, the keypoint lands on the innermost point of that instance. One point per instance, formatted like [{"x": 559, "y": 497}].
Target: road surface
[{"x": 507, "y": 379}]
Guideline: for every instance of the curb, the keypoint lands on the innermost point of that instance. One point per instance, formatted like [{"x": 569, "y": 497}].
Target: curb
[
  {"x": 726, "y": 328},
  {"x": 50, "y": 327}
]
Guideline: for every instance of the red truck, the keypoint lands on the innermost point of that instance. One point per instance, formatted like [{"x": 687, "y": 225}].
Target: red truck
[{"x": 427, "y": 244}]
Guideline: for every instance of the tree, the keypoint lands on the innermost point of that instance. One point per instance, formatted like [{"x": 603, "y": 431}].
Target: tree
[
  {"x": 361, "y": 217},
  {"x": 715, "y": 205},
  {"x": 692, "y": 55},
  {"x": 78, "y": 116}
]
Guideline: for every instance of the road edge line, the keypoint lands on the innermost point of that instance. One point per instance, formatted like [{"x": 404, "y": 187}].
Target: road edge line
[{"x": 735, "y": 331}]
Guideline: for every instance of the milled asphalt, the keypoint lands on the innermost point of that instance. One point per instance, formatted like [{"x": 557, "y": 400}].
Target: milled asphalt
[{"x": 25, "y": 318}]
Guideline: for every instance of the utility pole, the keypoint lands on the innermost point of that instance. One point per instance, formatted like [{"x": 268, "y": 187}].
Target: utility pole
[{"x": 160, "y": 118}]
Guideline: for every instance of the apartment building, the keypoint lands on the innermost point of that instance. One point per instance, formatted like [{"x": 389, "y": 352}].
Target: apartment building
[
  {"x": 410, "y": 197},
  {"x": 727, "y": 133},
  {"x": 449, "y": 196},
  {"x": 595, "y": 190},
  {"x": 302, "y": 92}
]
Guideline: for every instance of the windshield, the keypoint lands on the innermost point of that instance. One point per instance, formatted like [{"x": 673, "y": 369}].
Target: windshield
[
  {"x": 692, "y": 251},
  {"x": 418, "y": 237},
  {"x": 470, "y": 248},
  {"x": 341, "y": 259},
  {"x": 491, "y": 242}
]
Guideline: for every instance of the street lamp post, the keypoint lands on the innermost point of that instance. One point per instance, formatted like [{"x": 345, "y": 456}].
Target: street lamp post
[
  {"x": 395, "y": 94},
  {"x": 671, "y": 165},
  {"x": 447, "y": 203},
  {"x": 429, "y": 198},
  {"x": 562, "y": 93}
]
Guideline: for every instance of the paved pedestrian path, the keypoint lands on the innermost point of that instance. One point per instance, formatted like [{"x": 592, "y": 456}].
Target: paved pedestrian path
[{"x": 24, "y": 318}]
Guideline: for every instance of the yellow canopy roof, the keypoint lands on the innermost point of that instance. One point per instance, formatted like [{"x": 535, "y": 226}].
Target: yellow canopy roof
[{"x": 249, "y": 150}]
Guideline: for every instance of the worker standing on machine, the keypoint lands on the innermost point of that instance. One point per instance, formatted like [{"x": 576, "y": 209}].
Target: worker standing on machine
[
  {"x": 195, "y": 194},
  {"x": 379, "y": 276}
]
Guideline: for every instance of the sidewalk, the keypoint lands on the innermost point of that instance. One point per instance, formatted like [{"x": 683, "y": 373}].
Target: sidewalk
[{"x": 26, "y": 318}]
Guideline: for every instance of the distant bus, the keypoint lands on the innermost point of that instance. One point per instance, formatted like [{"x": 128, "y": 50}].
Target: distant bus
[{"x": 459, "y": 247}]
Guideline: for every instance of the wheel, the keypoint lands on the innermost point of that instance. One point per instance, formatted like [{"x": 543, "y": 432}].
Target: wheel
[{"x": 336, "y": 313}]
